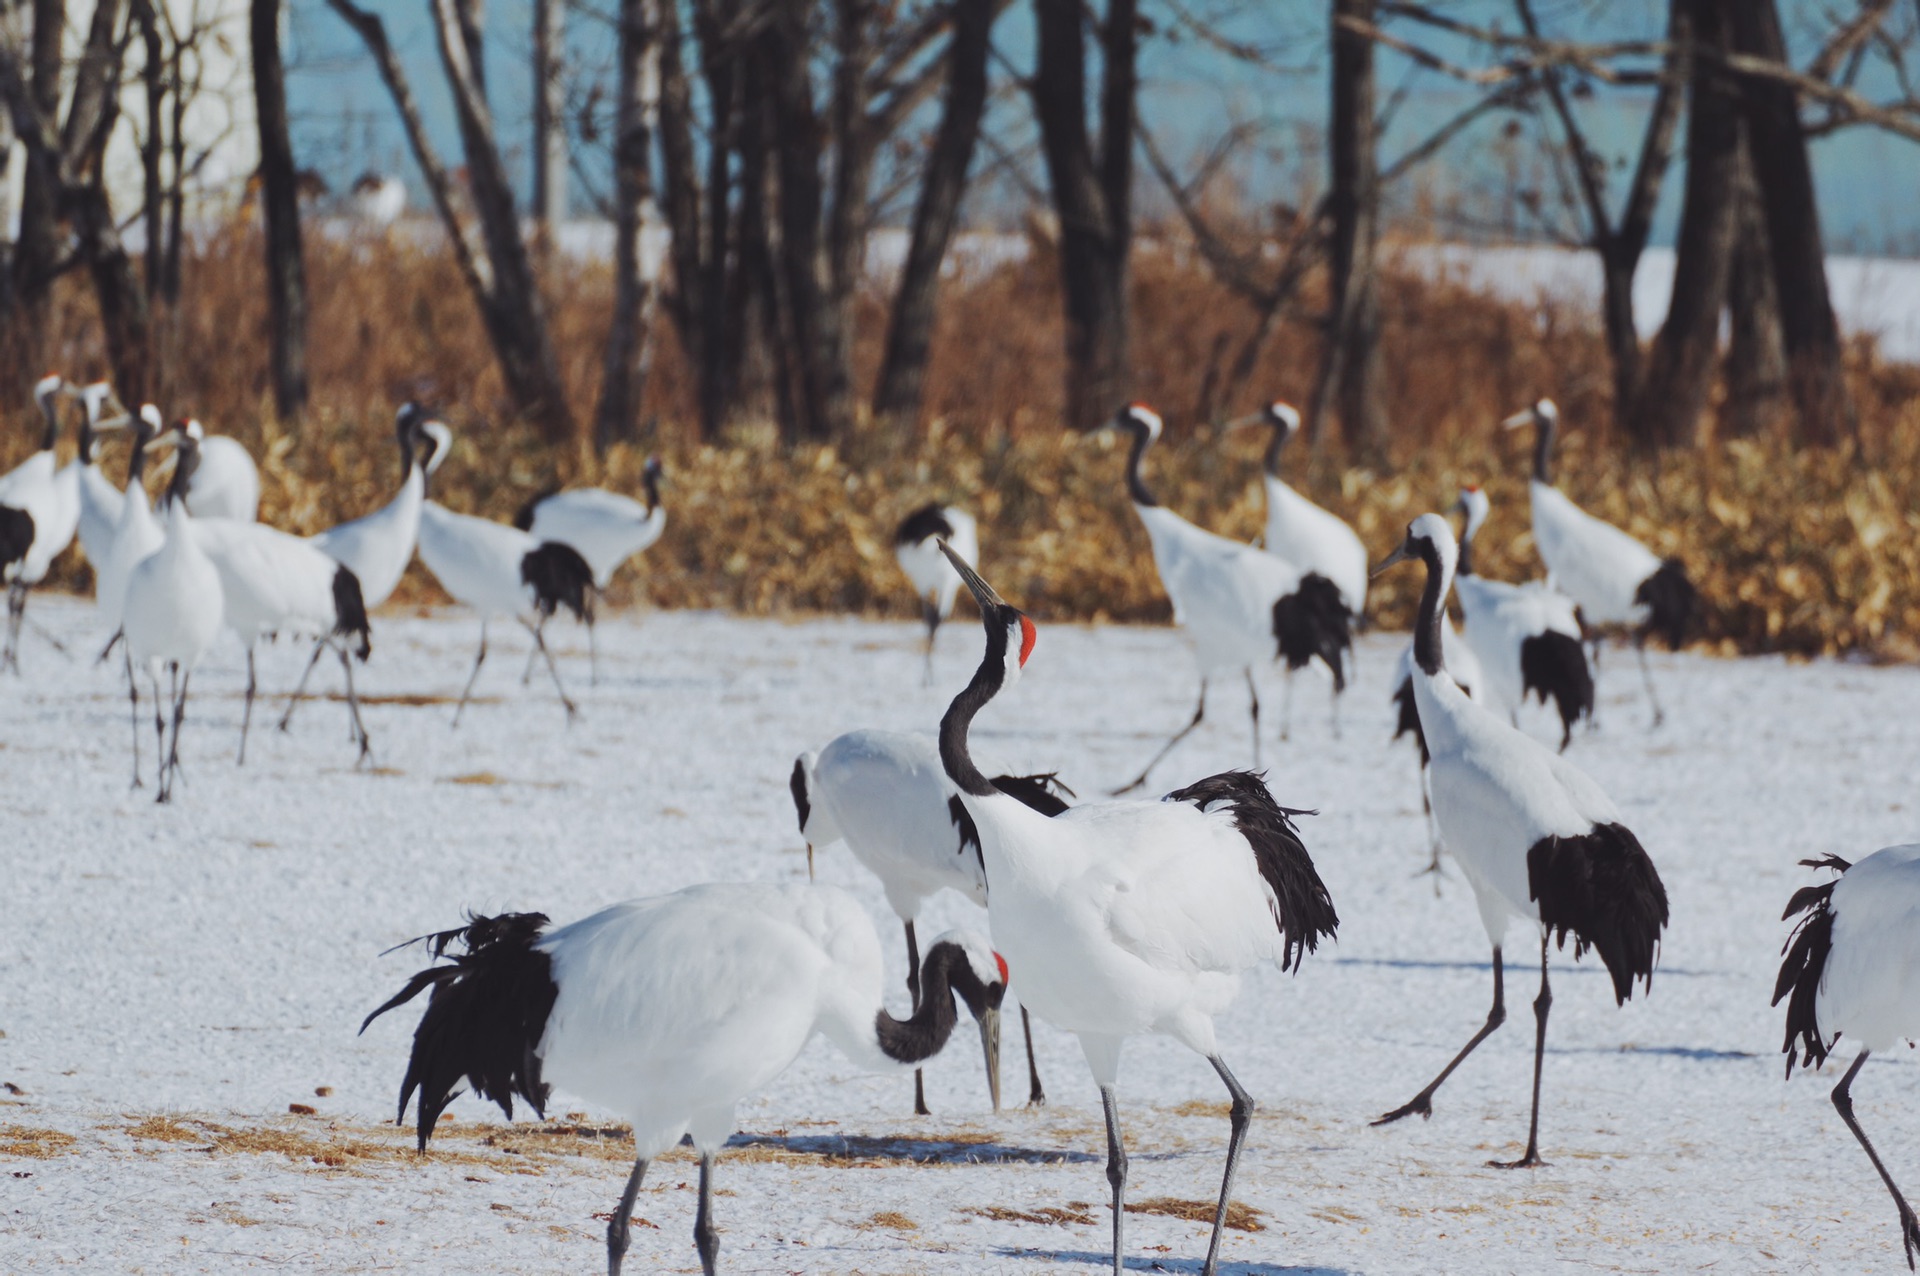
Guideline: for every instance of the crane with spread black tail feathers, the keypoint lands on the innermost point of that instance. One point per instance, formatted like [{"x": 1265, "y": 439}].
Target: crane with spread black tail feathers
[
  {"x": 1617, "y": 581},
  {"x": 1241, "y": 606},
  {"x": 1310, "y": 537},
  {"x": 1852, "y": 967},
  {"x": 672, "y": 1009},
  {"x": 1129, "y": 917},
  {"x": 883, "y": 794},
  {"x": 1537, "y": 839}
]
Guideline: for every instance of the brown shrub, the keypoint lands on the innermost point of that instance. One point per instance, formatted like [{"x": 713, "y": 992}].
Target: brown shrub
[{"x": 1804, "y": 552}]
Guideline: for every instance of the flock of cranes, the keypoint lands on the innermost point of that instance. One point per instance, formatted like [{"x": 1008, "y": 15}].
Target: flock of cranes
[
  {"x": 167, "y": 582},
  {"x": 1114, "y": 918}
]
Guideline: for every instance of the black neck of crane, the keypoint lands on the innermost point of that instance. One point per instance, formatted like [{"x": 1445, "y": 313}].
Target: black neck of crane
[
  {"x": 650, "y": 480},
  {"x": 946, "y": 973},
  {"x": 50, "y": 409},
  {"x": 1136, "y": 486},
  {"x": 1543, "y": 430},
  {"x": 955, "y": 755},
  {"x": 1464, "y": 564},
  {"x": 1426, "y": 630},
  {"x": 1275, "y": 445}
]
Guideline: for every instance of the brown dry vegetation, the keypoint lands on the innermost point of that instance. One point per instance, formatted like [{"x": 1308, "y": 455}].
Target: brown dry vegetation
[
  {"x": 1802, "y": 552},
  {"x": 1240, "y": 1216}
]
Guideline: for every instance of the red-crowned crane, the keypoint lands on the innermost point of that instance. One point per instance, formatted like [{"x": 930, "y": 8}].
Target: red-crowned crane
[
  {"x": 883, "y": 793},
  {"x": 1310, "y": 537},
  {"x": 497, "y": 570},
  {"x": 377, "y": 547},
  {"x": 174, "y": 608},
  {"x": 1242, "y": 607},
  {"x": 1852, "y": 968},
  {"x": 605, "y": 527},
  {"x": 670, "y": 1010},
  {"x": 1526, "y": 637},
  {"x": 228, "y": 485},
  {"x": 1536, "y": 839},
  {"x": 916, "y": 546},
  {"x": 100, "y": 501},
  {"x": 1128, "y": 917},
  {"x": 1617, "y": 581}
]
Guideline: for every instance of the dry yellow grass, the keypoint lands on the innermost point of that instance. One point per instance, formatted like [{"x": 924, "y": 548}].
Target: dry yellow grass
[
  {"x": 1798, "y": 552},
  {"x": 1075, "y": 1213},
  {"x": 37, "y": 1144},
  {"x": 1241, "y": 1217}
]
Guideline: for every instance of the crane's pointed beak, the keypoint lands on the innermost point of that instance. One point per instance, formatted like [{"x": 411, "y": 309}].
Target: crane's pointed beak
[
  {"x": 982, "y": 592},
  {"x": 990, "y": 1044},
  {"x": 1399, "y": 555},
  {"x": 1523, "y": 417}
]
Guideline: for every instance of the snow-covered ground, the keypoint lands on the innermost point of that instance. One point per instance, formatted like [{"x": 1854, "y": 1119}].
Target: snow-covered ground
[{"x": 173, "y": 979}]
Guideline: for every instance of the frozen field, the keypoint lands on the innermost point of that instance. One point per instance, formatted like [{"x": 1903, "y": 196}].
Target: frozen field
[{"x": 172, "y": 980}]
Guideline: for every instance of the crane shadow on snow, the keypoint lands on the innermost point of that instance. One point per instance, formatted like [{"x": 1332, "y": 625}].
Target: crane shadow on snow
[
  {"x": 1104, "y": 1258},
  {"x": 871, "y": 1150},
  {"x": 1562, "y": 967}
]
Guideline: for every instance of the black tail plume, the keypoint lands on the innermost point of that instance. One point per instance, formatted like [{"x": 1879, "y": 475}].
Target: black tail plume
[
  {"x": 1602, "y": 886},
  {"x": 928, "y": 520},
  {"x": 484, "y": 1020},
  {"x": 350, "y": 612},
  {"x": 1041, "y": 792},
  {"x": 1302, "y": 908},
  {"x": 1805, "y": 964},
  {"x": 1409, "y": 719},
  {"x": 1554, "y": 665},
  {"x": 1670, "y": 599},
  {"x": 1314, "y": 621},
  {"x": 16, "y": 535},
  {"x": 559, "y": 578},
  {"x": 797, "y": 785}
]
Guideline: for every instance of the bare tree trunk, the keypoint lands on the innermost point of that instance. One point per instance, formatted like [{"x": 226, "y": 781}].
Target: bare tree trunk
[
  {"x": 1350, "y": 364},
  {"x": 280, "y": 199},
  {"x": 69, "y": 160},
  {"x": 153, "y": 77},
  {"x": 1785, "y": 177},
  {"x": 720, "y": 59},
  {"x": 623, "y": 381},
  {"x": 795, "y": 137},
  {"x": 1092, "y": 195},
  {"x": 901, "y": 388},
  {"x": 549, "y": 114},
  {"x": 1686, "y": 353},
  {"x": 39, "y": 245},
  {"x": 1756, "y": 353},
  {"x": 854, "y": 140}
]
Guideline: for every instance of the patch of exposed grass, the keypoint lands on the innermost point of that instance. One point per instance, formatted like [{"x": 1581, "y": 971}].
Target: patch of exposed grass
[
  {"x": 892, "y": 1220},
  {"x": 1241, "y": 1217},
  {"x": 27, "y": 1141},
  {"x": 1074, "y": 1213}
]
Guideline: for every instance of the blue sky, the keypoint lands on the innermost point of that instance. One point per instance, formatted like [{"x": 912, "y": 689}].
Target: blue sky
[{"x": 1192, "y": 93}]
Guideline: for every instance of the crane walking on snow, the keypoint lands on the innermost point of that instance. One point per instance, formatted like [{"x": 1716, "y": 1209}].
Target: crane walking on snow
[
  {"x": 1133, "y": 917},
  {"x": 1311, "y": 538},
  {"x": 1241, "y": 606},
  {"x": 1852, "y": 968},
  {"x": 1615, "y": 579},
  {"x": 1536, "y": 838},
  {"x": 883, "y": 793},
  {"x": 39, "y": 510},
  {"x": 672, "y": 1009}
]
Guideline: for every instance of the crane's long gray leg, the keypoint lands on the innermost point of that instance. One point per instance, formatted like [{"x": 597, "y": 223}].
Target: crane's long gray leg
[
  {"x": 107, "y": 650},
  {"x": 1843, "y": 1104},
  {"x": 160, "y": 740},
  {"x": 47, "y": 636},
  {"x": 1541, "y": 1005},
  {"x": 1286, "y": 707},
  {"x": 246, "y": 715},
  {"x": 706, "y": 1238},
  {"x": 1646, "y": 675},
  {"x": 1253, "y": 702},
  {"x": 930, "y": 614},
  {"x": 1036, "y": 1094},
  {"x": 1242, "y": 1114},
  {"x": 1422, "y": 1103},
  {"x": 620, "y": 1226},
  {"x": 913, "y": 991},
  {"x": 593, "y": 654},
  {"x": 16, "y": 608},
  {"x": 1117, "y": 1176},
  {"x": 526, "y": 675},
  {"x": 133, "y": 696},
  {"x": 473, "y": 677},
  {"x": 293, "y": 701},
  {"x": 1334, "y": 709},
  {"x": 1433, "y": 834},
  {"x": 353, "y": 708},
  {"x": 1199, "y": 712},
  {"x": 540, "y": 641}
]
